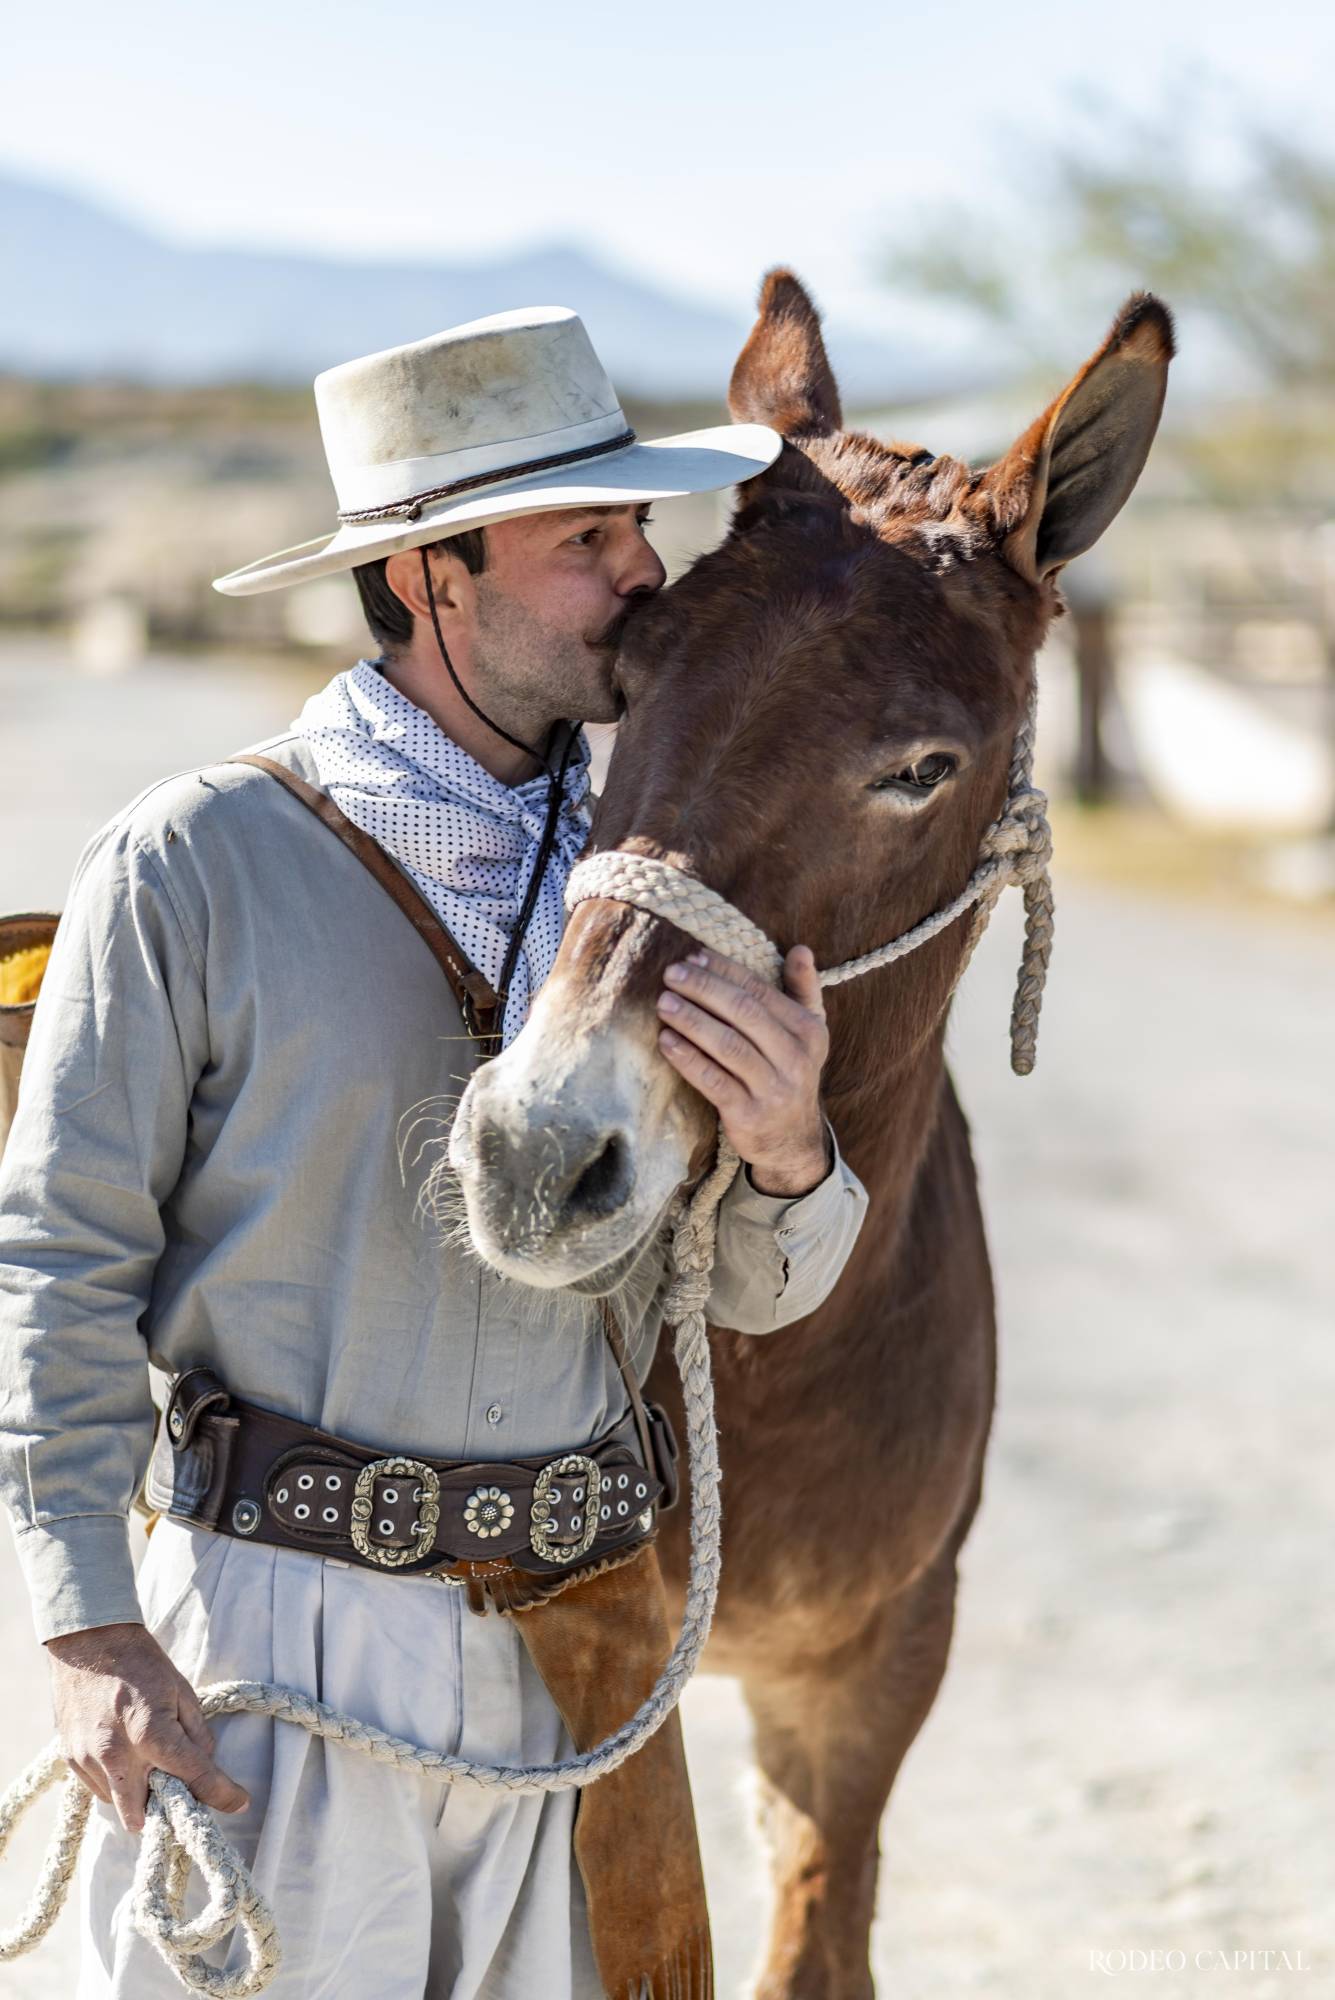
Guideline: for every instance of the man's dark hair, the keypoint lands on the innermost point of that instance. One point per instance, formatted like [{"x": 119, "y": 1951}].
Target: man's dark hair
[{"x": 388, "y": 616}]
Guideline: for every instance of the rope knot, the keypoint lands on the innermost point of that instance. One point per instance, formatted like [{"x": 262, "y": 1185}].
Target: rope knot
[{"x": 1022, "y": 836}]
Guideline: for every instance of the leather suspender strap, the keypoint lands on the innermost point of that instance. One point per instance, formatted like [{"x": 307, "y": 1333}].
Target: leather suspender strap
[
  {"x": 479, "y": 1003},
  {"x": 616, "y": 1340}
]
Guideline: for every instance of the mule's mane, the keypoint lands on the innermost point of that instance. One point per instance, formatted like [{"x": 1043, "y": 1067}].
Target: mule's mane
[
  {"x": 902, "y": 493},
  {"x": 884, "y": 479}
]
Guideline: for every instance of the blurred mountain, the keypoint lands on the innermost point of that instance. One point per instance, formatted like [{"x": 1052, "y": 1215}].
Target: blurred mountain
[{"x": 84, "y": 292}]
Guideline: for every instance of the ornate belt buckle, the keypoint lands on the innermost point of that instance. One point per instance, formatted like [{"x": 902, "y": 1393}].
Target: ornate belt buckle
[
  {"x": 548, "y": 1498},
  {"x": 428, "y": 1512}
]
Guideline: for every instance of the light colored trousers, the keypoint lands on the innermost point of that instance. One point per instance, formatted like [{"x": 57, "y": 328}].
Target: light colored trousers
[{"x": 385, "y": 1886}]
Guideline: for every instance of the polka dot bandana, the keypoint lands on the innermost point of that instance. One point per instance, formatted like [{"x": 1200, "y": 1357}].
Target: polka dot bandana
[{"x": 468, "y": 841}]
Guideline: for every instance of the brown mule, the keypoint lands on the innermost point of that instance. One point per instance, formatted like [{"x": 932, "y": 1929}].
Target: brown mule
[{"x": 872, "y": 610}]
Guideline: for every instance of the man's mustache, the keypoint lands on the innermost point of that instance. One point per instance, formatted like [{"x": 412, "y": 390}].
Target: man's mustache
[{"x": 609, "y": 640}]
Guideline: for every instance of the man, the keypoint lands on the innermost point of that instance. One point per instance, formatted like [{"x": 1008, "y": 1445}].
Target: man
[{"x": 216, "y": 1166}]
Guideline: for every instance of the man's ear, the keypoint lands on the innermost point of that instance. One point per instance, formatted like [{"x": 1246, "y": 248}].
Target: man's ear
[
  {"x": 783, "y": 376},
  {"x": 1060, "y": 485},
  {"x": 403, "y": 574}
]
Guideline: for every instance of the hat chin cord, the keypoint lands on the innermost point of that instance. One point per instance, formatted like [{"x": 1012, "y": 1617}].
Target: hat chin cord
[{"x": 556, "y": 788}]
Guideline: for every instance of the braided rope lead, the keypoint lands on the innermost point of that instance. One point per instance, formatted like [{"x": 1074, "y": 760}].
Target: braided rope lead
[
  {"x": 61, "y": 1854},
  {"x": 179, "y": 1832},
  {"x": 1017, "y": 848}
]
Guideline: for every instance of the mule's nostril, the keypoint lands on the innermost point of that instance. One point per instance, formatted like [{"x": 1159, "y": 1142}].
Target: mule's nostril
[{"x": 603, "y": 1186}]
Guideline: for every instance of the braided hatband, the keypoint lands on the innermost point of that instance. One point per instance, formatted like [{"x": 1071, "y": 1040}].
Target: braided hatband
[{"x": 411, "y": 509}]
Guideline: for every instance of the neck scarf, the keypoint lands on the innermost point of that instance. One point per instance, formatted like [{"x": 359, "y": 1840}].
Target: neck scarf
[{"x": 468, "y": 841}]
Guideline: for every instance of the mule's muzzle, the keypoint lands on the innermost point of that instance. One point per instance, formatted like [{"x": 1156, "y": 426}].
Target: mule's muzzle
[
  {"x": 555, "y": 1175},
  {"x": 540, "y": 1177}
]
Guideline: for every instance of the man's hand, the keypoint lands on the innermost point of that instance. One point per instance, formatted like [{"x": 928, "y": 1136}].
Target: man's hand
[
  {"x": 121, "y": 1711},
  {"x": 757, "y": 1055}
]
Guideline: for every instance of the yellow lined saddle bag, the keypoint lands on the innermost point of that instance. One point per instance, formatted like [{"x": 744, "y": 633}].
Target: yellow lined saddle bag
[{"x": 25, "y": 947}]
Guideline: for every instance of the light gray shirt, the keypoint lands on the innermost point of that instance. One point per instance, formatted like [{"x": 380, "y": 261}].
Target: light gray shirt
[{"x": 206, "y": 1168}]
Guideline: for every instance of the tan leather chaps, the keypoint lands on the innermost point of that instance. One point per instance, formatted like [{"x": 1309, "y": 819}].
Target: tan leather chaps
[{"x": 599, "y": 1645}]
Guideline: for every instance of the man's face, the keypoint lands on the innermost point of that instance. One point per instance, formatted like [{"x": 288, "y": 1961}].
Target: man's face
[{"x": 549, "y": 608}]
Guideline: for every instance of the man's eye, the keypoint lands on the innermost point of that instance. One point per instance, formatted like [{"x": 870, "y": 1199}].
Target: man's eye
[{"x": 585, "y": 538}]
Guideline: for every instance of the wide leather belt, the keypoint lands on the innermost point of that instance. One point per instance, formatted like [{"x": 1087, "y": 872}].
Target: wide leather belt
[{"x": 231, "y": 1466}]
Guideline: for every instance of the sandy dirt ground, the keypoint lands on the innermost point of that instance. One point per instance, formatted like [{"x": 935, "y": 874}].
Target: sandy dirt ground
[{"x": 1134, "y": 1751}]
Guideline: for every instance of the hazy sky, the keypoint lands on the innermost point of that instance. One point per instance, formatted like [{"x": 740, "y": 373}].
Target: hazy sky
[{"x": 696, "y": 142}]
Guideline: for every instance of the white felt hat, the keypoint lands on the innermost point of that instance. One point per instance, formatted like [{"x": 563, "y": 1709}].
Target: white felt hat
[{"x": 504, "y": 416}]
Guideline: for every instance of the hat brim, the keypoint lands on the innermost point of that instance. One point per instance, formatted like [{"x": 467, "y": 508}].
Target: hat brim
[{"x": 660, "y": 469}]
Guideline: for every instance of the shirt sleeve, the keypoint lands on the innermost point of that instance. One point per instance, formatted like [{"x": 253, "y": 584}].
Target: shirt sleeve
[
  {"x": 119, "y": 1036},
  {"x": 779, "y": 1257}
]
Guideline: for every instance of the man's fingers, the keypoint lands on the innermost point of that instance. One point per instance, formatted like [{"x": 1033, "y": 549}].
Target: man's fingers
[
  {"x": 721, "y": 1088},
  {"x": 770, "y": 1019},
  {"x": 801, "y": 979},
  {"x": 207, "y": 1781},
  {"x": 729, "y": 1047},
  {"x": 129, "y": 1793},
  {"x": 90, "y": 1776},
  {"x": 195, "y": 1722}
]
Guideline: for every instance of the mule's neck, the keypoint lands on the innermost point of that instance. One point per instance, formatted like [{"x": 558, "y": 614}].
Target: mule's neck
[{"x": 884, "y": 1082}]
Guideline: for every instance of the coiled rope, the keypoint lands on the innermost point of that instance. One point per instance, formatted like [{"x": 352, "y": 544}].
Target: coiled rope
[{"x": 179, "y": 1832}]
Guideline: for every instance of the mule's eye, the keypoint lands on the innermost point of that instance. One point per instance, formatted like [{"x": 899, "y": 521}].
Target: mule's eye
[{"x": 923, "y": 776}]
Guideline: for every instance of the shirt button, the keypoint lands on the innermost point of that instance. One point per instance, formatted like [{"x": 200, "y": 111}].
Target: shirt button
[{"x": 495, "y": 1413}]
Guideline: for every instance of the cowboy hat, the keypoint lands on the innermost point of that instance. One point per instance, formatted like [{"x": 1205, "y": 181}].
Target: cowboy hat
[{"x": 503, "y": 416}]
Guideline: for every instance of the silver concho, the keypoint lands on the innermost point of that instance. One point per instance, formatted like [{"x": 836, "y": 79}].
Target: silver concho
[
  {"x": 428, "y": 1512},
  {"x": 487, "y": 1511},
  {"x": 539, "y": 1531}
]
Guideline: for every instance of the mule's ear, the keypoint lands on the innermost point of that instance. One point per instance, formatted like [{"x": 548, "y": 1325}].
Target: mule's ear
[
  {"x": 783, "y": 376},
  {"x": 1060, "y": 485}
]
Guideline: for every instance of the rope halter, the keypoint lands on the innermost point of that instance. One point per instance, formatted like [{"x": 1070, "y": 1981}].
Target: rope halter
[{"x": 1017, "y": 848}]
